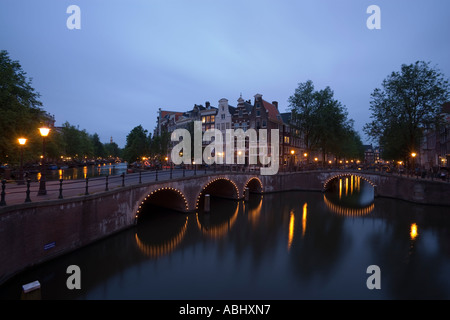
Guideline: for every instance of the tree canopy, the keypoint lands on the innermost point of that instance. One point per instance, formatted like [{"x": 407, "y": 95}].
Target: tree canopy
[
  {"x": 408, "y": 102},
  {"x": 323, "y": 122}
]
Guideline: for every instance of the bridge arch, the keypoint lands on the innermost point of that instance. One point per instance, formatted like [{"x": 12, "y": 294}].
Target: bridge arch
[
  {"x": 254, "y": 185},
  {"x": 347, "y": 174},
  {"x": 166, "y": 197},
  {"x": 219, "y": 187}
]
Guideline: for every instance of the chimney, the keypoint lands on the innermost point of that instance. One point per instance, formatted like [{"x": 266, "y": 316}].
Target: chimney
[
  {"x": 207, "y": 104},
  {"x": 275, "y": 103}
]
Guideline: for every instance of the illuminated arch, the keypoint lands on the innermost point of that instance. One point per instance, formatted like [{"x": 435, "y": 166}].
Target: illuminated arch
[
  {"x": 251, "y": 181},
  {"x": 348, "y": 212},
  {"x": 341, "y": 175},
  {"x": 214, "y": 181},
  {"x": 164, "y": 189}
]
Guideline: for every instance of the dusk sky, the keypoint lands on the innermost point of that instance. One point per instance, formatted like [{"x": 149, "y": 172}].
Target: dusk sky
[{"x": 132, "y": 57}]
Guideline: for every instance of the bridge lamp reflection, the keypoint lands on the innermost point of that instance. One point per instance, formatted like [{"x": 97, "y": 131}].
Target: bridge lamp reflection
[{"x": 413, "y": 233}]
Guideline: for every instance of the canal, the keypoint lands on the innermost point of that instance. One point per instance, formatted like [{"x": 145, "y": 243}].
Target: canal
[{"x": 281, "y": 246}]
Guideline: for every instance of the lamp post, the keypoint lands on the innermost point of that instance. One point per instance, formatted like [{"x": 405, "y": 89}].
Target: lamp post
[
  {"x": 413, "y": 155},
  {"x": 22, "y": 142},
  {"x": 44, "y": 133}
]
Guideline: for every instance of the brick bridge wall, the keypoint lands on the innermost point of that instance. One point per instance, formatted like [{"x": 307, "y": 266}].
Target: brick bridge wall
[{"x": 31, "y": 233}]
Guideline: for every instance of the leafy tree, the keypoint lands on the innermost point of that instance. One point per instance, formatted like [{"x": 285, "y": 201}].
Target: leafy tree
[
  {"x": 137, "y": 144},
  {"x": 408, "y": 102},
  {"x": 322, "y": 121},
  {"x": 112, "y": 150},
  {"x": 303, "y": 107},
  {"x": 99, "y": 148},
  {"x": 20, "y": 109}
]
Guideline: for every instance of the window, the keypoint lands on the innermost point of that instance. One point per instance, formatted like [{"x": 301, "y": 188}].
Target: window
[
  {"x": 228, "y": 125},
  {"x": 264, "y": 123},
  {"x": 258, "y": 113},
  {"x": 240, "y": 113},
  {"x": 236, "y": 125},
  {"x": 213, "y": 118},
  {"x": 203, "y": 119},
  {"x": 222, "y": 116}
]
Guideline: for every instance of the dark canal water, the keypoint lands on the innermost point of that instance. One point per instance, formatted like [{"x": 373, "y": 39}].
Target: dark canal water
[{"x": 292, "y": 245}]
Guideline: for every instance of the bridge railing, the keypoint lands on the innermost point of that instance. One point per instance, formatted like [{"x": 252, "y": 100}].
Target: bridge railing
[{"x": 13, "y": 193}]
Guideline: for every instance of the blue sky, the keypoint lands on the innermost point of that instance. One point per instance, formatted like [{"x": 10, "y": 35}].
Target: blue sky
[{"x": 132, "y": 57}]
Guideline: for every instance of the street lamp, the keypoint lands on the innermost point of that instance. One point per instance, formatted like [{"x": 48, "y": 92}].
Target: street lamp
[
  {"x": 44, "y": 131},
  {"x": 22, "y": 142},
  {"x": 413, "y": 155}
]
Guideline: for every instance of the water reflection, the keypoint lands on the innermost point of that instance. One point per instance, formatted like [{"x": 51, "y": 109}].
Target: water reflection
[
  {"x": 260, "y": 250},
  {"x": 82, "y": 172},
  {"x": 217, "y": 225},
  {"x": 162, "y": 235},
  {"x": 350, "y": 196}
]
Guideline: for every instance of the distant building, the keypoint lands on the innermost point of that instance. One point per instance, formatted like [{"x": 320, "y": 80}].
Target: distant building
[{"x": 435, "y": 144}]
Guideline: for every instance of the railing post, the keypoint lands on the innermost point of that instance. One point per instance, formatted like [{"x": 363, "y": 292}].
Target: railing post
[
  {"x": 171, "y": 169},
  {"x": 123, "y": 179},
  {"x": 106, "y": 188},
  {"x": 184, "y": 169},
  {"x": 2, "y": 201},
  {"x": 156, "y": 178},
  {"x": 140, "y": 177},
  {"x": 87, "y": 181},
  {"x": 60, "y": 189},
  {"x": 27, "y": 199},
  {"x": 195, "y": 169}
]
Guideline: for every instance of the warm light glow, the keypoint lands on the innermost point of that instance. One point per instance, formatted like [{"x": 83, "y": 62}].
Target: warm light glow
[
  {"x": 292, "y": 151},
  {"x": 22, "y": 141},
  {"x": 305, "y": 211},
  {"x": 305, "y": 154},
  {"x": 340, "y": 189},
  {"x": 316, "y": 159},
  {"x": 414, "y": 232},
  {"x": 329, "y": 161},
  {"x": 413, "y": 154},
  {"x": 44, "y": 131},
  {"x": 166, "y": 158},
  {"x": 291, "y": 229}
]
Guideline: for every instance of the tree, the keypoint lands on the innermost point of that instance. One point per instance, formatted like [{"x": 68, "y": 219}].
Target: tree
[
  {"x": 303, "y": 107},
  {"x": 408, "y": 102},
  {"x": 20, "y": 109},
  {"x": 137, "y": 144},
  {"x": 99, "y": 148},
  {"x": 321, "y": 120}
]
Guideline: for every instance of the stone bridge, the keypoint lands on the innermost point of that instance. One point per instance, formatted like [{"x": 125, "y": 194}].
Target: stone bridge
[{"x": 32, "y": 233}]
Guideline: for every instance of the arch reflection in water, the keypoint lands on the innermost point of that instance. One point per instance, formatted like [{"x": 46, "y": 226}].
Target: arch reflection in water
[
  {"x": 292, "y": 229},
  {"x": 350, "y": 195},
  {"x": 254, "y": 209},
  {"x": 160, "y": 232},
  {"x": 220, "y": 219}
]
